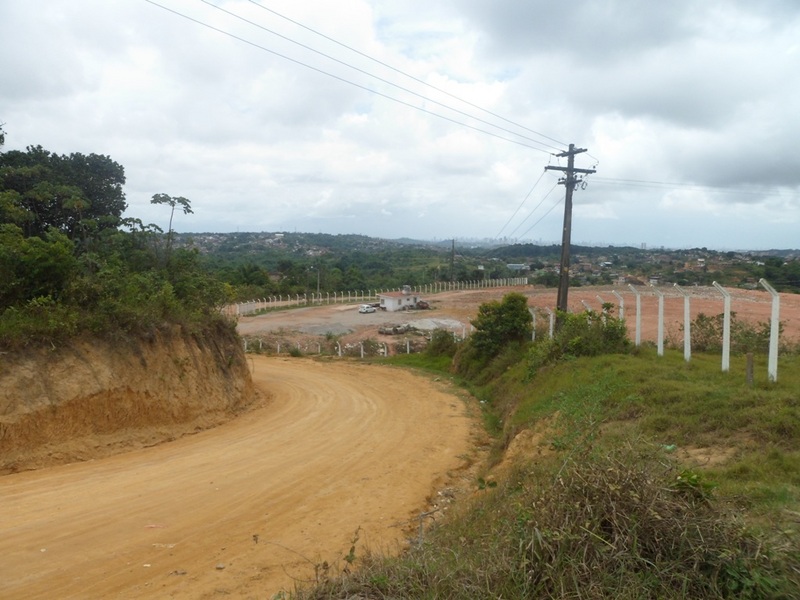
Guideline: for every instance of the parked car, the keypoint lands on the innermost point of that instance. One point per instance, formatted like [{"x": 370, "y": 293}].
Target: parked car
[{"x": 366, "y": 308}]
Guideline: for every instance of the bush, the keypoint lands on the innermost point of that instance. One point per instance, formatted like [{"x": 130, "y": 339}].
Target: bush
[
  {"x": 707, "y": 333},
  {"x": 442, "y": 344},
  {"x": 499, "y": 323},
  {"x": 582, "y": 334}
]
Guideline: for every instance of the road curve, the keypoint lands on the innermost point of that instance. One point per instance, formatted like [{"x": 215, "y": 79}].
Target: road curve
[{"x": 244, "y": 509}]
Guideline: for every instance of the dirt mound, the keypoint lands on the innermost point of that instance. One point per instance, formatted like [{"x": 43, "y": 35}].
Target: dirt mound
[{"x": 92, "y": 398}]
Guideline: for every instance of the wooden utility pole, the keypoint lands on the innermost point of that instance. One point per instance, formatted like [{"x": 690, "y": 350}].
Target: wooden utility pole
[{"x": 570, "y": 182}]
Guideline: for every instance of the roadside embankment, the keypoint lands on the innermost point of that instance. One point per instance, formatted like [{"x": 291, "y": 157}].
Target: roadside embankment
[{"x": 92, "y": 397}]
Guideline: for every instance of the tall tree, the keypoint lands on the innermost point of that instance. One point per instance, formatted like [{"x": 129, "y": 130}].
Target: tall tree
[{"x": 173, "y": 202}]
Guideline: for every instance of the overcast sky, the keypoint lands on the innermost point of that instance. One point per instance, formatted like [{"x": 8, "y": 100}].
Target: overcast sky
[{"x": 700, "y": 100}]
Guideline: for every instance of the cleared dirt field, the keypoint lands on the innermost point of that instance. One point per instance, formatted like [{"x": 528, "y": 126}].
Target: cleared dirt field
[
  {"x": 455, "y": 310},
  {"x": 247, "y": 508}
]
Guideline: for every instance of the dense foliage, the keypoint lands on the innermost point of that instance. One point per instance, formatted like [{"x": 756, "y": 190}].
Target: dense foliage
[
  {"x": 499, "y": 323},
  {"x": 69, "y": 262}
]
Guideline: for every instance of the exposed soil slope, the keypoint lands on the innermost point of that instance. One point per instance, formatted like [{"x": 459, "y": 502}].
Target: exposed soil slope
[
  {"x": 92, "y": 398},
  {"x": 246, "y": 508}
]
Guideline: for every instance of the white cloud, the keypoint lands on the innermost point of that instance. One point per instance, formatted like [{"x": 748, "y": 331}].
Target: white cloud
[{"x": 701, "y": 94}]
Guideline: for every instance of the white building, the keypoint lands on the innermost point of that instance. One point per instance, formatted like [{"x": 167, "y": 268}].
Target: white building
[{"x": 394, "y": 301}]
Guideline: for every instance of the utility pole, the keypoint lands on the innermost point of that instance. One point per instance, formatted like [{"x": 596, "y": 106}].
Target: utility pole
[
  {"x": 453, "y": 262},
  {"x": 570, "y": 182}
]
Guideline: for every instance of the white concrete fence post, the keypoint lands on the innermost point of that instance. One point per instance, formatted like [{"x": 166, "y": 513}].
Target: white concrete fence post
[
  {"x": 726, "y": 327},
  {"x": 774, "y": 331},
  {"x": 687, "y": 324},
  {"x": 552, "y": 316},
  {"x": 660, "y": 339},
  {"x": 638, "y": 336},
  {"x": 621, "y": 301}
]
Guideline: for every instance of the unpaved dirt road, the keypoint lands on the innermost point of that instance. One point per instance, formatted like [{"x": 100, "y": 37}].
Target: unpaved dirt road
[{"x": 247, "y": 508}]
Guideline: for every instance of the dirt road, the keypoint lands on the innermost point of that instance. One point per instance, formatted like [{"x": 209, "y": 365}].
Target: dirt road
[{"x": 247, "y": 508}]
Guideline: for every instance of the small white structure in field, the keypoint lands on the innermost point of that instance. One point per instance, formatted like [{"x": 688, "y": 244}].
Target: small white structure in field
[{"x": 403, "y": 300}]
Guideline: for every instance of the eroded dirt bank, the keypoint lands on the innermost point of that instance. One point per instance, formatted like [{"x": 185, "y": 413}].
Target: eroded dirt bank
[{"x": 92, "y": 398}]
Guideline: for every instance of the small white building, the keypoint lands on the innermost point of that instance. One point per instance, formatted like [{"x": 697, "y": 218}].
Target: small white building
[{"x": 394, "y": 301}]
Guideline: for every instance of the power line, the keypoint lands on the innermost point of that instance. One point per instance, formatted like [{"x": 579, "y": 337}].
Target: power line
[
  {"x": 520, "y": 204},
  {"x": 544, "y": 215},
  {"x": 381, "y": 79},
  {"x": 342, "y": 79},
  {"x": 401, "y": 72},
  {"x": 530, "y": 214}
]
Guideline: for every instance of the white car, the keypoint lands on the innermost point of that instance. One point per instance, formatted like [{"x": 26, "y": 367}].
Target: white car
[{"x": 366, "y": 308}]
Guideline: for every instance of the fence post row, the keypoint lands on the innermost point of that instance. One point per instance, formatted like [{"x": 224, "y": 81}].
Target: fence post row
[{"x": 245, "y": 308}]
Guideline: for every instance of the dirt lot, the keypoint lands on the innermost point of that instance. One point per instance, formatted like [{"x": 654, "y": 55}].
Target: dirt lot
[
  {"x": 454, "y": 310},
  {"x": 249, "y": 507}
]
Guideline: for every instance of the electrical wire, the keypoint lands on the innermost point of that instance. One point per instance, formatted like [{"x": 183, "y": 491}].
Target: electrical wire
[
  {"x": 342, "y": 79},
  {"x": 530, "y": 214},
  {"x": 543, "y": 216},
  {"x": 401, "y": 72},
  {"x": 381, "y": 79},
  {"x": 521, "y": 204}
]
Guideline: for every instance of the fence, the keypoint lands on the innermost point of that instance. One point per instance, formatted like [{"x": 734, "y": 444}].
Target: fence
[
  {"x": 360, "y": 350},
  {"x": 362, "y": 296},
  {"x": 724, "y": 295}
]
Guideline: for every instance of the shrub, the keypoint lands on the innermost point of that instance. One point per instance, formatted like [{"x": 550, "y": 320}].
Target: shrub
[
  {"x": 499, "y": 323},
  {"x": 582, "y": 334},
  {"x": 442, "y": 344},
  {"x": 707, "y": 333}
]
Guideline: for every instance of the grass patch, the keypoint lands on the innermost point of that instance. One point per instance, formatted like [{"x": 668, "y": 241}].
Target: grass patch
[{"x": 626, "y": 525}]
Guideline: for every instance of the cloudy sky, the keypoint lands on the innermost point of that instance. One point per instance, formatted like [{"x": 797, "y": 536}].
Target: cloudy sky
[{"x": 431, "y": 120}]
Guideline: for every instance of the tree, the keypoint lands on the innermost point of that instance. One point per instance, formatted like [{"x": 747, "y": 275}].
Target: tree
[
  {"x": 173, "y": 203},
  {"x": 501, "y": 323},
  {"x": 34, "y": 267},
  {"x": 76, "y": 194}
]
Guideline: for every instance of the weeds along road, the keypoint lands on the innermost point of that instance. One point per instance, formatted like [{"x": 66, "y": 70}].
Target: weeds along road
[{"x": 244, "y": 509}]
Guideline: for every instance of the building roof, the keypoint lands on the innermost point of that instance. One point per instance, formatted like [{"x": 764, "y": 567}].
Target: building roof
[{"x": 397, "y": 294}]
